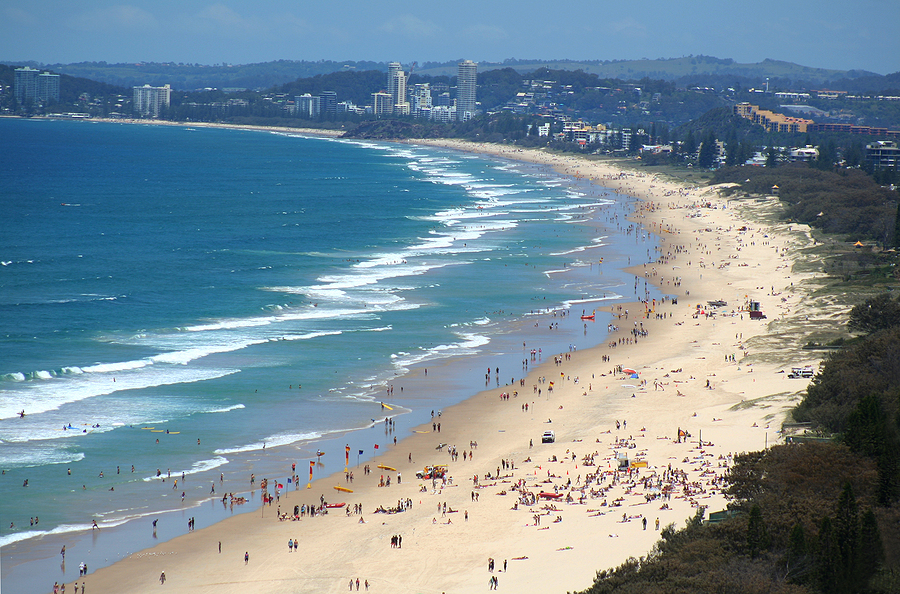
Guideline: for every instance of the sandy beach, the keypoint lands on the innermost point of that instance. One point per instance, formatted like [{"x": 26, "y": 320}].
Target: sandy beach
[
  {"x": 284, "y": 129},
  {"x": 711, "y": 373}
]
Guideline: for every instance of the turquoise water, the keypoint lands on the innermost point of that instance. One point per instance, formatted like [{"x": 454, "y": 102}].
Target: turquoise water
[{"x": 247, "y": 298}]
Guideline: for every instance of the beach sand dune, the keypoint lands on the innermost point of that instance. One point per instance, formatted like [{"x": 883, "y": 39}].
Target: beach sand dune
[{"x": 698, "y": 372}]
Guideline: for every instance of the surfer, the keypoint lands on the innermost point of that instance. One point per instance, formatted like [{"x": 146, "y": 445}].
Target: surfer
[{"x": 22, "y": 414}]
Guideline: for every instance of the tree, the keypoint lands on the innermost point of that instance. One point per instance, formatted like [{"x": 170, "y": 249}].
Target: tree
[
  {"x": 872, "y": 550},
  {"x": 731, "y": 149},
  {"x": 707, "y": 156},
  {"x": 690, "y": 146},
  {"x": 866, "y": 431},
  {"x": 897, "y": 226},
  {"x": 874, "y": 314},
  {"x": 827, "y": 156},
  {"x": 797, "y": 561},
  {"x": 846, "y": 533},
  {"x": 771, "y": 157},
  {"x": 757, "y": 535},
  {"x": 828, "y": 557}
]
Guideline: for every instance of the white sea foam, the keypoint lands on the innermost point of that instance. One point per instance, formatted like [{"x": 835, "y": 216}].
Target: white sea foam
[
  {"x": 276, "y": 440},
  {"x": 226, "y": 409},
  {"x": 469, "y": 344},
  {"x": 50, "y": 395},
  {"x": 37, "y": 455},
  {"x": 610, "y": 297}
]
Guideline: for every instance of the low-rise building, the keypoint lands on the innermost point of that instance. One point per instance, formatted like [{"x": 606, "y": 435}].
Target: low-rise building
[
  {"x": 804, "y": 154},
  {"x": 382, "y": 104},
  {"x": 883, "y": 154},
  {"x": 771, "y": 121}
]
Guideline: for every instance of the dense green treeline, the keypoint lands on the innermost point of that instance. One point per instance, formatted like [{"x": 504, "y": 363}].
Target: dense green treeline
[{"x": 845, "y": 201}]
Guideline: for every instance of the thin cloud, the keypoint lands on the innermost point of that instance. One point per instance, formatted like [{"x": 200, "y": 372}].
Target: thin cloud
[
  {"x": 482, "y": 32},
  {"x": 114, "y": 18},
  {"x": 411, "y": 27},
  {"x": 223, "y": 20},
  {"x": 17, "y": 15},
  {"x": 629, "y": 27}
]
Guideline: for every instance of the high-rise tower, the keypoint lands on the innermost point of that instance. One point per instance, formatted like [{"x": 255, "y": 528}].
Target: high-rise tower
[
  {"x": 397, "y": 88},
  {"x": 465, "y": 90}
]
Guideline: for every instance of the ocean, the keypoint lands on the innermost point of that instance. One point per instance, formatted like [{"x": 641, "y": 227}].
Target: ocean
[{"x": 210, "y": 303}]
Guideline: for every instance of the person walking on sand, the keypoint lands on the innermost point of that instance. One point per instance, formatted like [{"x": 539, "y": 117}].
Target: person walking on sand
[{"x": 162, "y": 578}]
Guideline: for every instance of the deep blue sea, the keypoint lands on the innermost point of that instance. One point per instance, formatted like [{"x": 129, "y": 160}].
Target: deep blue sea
[{"x": 246, "y": 298}]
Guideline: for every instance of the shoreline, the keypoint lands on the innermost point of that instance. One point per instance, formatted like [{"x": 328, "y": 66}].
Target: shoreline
[
  {"x": 321, "y": 132},
  {"x": 36, "y": 555},
  {"x": 577, "y": 419}
]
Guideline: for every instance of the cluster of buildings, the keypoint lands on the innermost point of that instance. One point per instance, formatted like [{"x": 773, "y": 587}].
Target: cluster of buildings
[
  {"x": 424, "y": 101},
  {"x": 771, "y": 121},
  {"x": 776, "y": 122},
  {"x": 585, "y": 134},
  {"x": 34, "y": 85}
]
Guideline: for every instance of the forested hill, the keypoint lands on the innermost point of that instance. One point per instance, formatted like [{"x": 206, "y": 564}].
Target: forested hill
[
  {"x": 263, "y": 75},
  {"x": 693, "y": 70},
  {"x": 671, "y": 69}
]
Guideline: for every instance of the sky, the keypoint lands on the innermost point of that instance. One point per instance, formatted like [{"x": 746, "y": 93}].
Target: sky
[{"x": 862, "y": 34}]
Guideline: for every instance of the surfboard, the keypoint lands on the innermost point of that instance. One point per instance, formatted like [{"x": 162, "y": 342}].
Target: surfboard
[{"x": 383, "y": 467}]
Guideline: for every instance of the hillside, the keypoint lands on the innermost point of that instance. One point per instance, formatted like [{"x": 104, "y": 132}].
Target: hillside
[
  {"x": 262, "y": 75},
  {"x": 669, "y": 69},
  {"x": 692, "y": 69}
]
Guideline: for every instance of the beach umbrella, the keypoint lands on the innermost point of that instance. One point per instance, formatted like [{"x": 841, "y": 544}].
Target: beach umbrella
[{"x": 628, "y": 370}]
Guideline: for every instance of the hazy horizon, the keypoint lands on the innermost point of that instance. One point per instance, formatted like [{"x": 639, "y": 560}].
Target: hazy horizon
[{"x": 814, "y": 34}]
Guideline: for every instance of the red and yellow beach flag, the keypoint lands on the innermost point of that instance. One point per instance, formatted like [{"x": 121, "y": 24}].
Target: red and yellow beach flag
[
  {"x": 312, "y": 464},
  {"x": 346, "y": 457}
]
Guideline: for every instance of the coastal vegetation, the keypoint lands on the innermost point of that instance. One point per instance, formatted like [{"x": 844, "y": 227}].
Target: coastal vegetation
[{"x": 845, "y": 202}]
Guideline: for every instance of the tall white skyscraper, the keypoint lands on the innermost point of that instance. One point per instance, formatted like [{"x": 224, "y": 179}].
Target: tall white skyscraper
[
  {"x": 397, "y": 88},
  {"x": 149, "y": 101},
  {"x": 307, "y": 106},
  {"x": 465, "y": 90}
]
